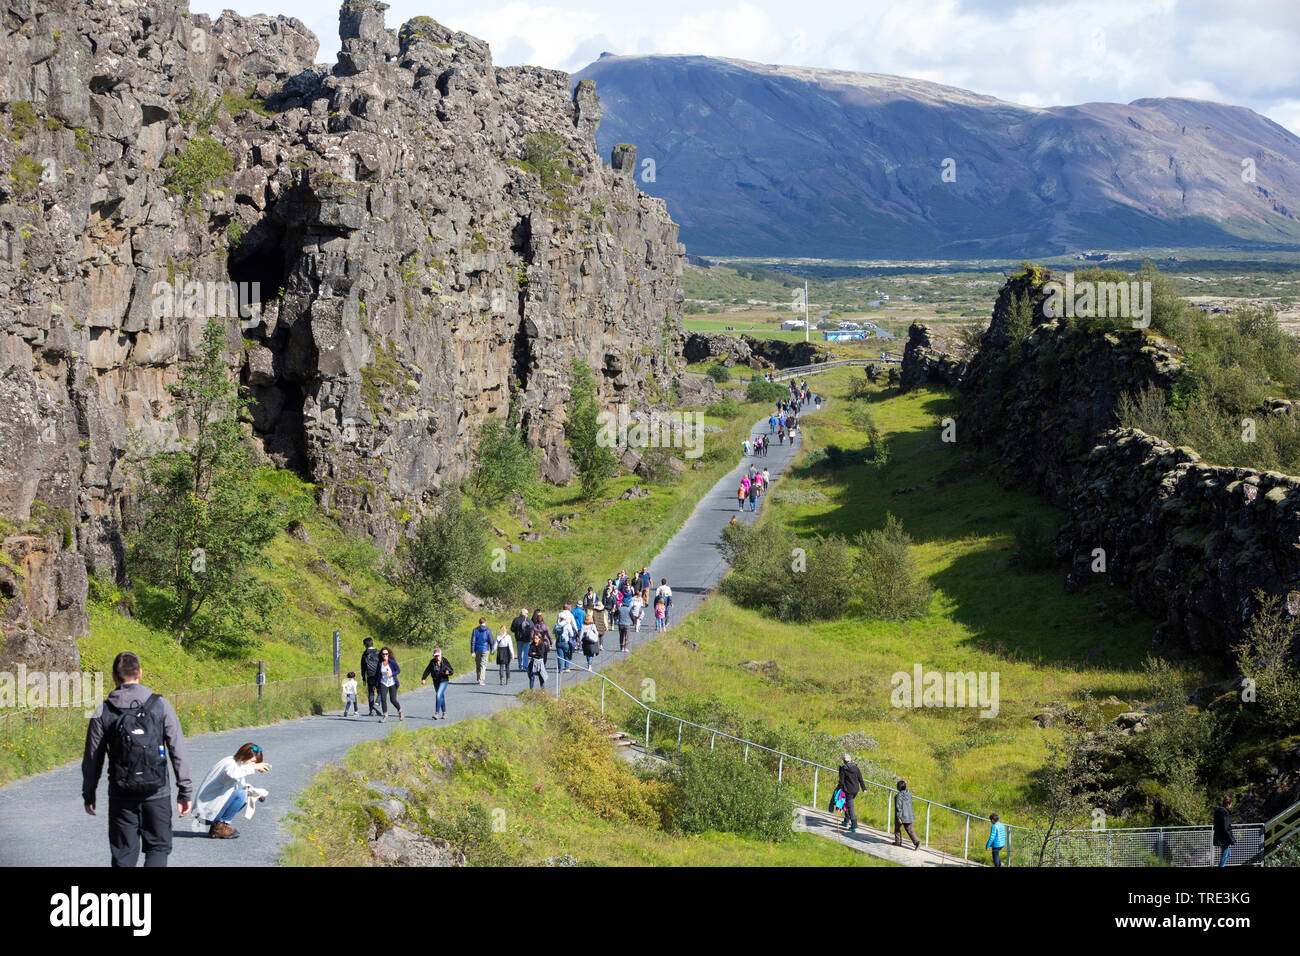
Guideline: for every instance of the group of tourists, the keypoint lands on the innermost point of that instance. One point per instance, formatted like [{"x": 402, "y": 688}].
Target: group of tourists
[
  {"x": 849, "y": 784},
  {"x": 525, "y": 642},
  {"x": 752, "y": 484}
]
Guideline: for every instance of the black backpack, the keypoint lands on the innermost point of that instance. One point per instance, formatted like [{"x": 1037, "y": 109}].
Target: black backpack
[{"x": 137, "y": 748}]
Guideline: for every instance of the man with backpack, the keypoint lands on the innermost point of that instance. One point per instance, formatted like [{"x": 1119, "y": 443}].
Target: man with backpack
[
  {"x": 370, "y": 673},
  {"x": 139, "y": 732},
  {"x": 850, "y": 781},
  {"x": 522, "y": 628}
]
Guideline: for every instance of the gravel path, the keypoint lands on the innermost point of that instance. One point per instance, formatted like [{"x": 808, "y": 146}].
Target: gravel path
[{"x": 42, "y": 821}]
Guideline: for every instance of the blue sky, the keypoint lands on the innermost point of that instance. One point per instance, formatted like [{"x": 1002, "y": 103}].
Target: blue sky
[{"x": 1038, "y": 54}]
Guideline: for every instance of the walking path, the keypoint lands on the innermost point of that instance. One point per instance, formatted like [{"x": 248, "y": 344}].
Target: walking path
[{"x": 42, "y": 821}]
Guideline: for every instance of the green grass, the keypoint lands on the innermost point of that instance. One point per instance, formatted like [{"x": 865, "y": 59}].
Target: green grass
[{"x": 835, "y": 677}]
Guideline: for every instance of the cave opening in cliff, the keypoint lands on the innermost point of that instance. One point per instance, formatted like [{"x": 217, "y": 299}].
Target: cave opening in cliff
[{"x": 258, "y": 267}]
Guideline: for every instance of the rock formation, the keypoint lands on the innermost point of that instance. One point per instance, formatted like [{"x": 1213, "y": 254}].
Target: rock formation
[
  {"x": 420, "y": 240},
  {"x": 926, "y": 362}
]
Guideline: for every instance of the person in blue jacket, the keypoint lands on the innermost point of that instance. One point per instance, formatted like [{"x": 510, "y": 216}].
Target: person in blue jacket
[
  {"x": 997, "y": 840},
  {"x": 481, "y": 644}
]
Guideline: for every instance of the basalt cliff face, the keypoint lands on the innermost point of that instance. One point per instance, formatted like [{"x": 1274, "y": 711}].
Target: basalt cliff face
[{"x": 424, "y": 239}]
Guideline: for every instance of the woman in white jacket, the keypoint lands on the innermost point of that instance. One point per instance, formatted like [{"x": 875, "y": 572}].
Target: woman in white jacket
[{"x": 225, "y": 791}]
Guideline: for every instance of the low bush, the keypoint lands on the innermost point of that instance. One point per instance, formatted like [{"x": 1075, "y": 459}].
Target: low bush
[
  {"x": 718, "y": 372},
  {"x": 718, "y": 791},
  {"x": 727, "y": 408}
]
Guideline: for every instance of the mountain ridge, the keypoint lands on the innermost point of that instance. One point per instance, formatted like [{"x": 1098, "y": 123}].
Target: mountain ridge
[{"x": 852, "y": 164}]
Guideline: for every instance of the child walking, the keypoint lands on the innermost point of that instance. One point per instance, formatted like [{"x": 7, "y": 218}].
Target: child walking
[{"x": 350, "y": 694}]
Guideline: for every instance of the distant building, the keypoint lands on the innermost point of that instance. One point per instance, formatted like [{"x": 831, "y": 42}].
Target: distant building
[{"x": 792, "y": 325}]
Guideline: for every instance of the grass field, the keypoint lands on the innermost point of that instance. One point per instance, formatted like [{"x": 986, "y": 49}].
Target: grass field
[{"x": 835, "y": 678}]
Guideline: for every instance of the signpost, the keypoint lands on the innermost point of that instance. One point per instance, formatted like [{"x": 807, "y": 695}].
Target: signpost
[{"x": 338, "y": 651}]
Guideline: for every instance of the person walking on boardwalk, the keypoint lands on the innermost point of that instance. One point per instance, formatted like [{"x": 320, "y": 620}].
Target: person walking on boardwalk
[
  {"x": 505, "y": 651},
  {"x": 1223, "y": 838},
  {"x": 997, "y": 840},
  {"x": 439, "y": 671},
  {"x": 850, "y": 781},
  {"x": 904, "y": 816},
  {"x": 139, "y": 732},
  {"x": 481, "y": 644},
  {"x": 388, "y": 683},
  {"x": 370, "y": 674}
]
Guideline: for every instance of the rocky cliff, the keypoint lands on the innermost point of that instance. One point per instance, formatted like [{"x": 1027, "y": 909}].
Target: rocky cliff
[{"x": 418, "y": 238}]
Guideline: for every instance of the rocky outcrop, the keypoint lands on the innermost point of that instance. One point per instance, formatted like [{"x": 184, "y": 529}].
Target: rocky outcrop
[
  {"x": 716, "y": 346},
  {"x": 926, "y": 362},
  {"x": 1192, "y": 542},
  {"x": 420, "y": 239}
]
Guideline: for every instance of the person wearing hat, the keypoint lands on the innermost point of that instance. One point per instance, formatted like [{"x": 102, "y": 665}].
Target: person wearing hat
[
  {"x": 850, "y": 781},
  {"x": 439, "y": 670}
]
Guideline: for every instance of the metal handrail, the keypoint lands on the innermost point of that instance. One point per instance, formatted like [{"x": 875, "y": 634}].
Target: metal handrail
[
  {"x": 834, "y": 363},
  {"x": 817, "y": 767}
]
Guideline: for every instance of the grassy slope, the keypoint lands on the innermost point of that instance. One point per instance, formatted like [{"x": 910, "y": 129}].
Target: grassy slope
[{"x": 511, "y": 765}]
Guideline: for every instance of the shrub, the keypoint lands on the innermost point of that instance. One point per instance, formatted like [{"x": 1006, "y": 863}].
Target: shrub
[
  {"x": 892, "y": 585},
  {"x": 796, "y": 579},
  {"x": 194, "y": 168},
  {"x": 592, "y": 460},
  {"x": 545, "y": 157},
  {"x": 506, "y": 465},
  {"x": 1034, "y": 548},
  {"x": 718, "y": 791},
  {"x": 1265, "y": 657},
  {"x": 718, "y": 372},
  {"x": 1178, "y": 746},
  {"x": 727, "y": 408},
  {"x": 448, "y": 553},
  {"x": 766, "y": 392}
]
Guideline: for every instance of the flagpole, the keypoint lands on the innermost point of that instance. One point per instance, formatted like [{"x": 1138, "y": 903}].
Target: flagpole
[{"x": 805, "y": 310}]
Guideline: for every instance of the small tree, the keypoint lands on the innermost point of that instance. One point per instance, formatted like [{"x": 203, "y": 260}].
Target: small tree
[
  {"x": 447, "y": 555},
  {"x": 1266, "y": 658},
  {"x": 891, "y": 584},
  {"x": 202, "y": 518},
  {"x": 1179, "y": 745},
  {"x": 593, "y": 462},
  {"x": 1076, "y": 776},
  {"x": 718, "y": 372},
  {"x": 506, "y": 465}
]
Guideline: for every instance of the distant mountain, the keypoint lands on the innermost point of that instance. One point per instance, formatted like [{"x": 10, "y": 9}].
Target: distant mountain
[{"x": 777, "y": 160}]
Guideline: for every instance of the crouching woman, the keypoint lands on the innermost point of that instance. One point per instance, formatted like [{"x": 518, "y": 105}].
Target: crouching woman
[{"x": 225, "y": 791}]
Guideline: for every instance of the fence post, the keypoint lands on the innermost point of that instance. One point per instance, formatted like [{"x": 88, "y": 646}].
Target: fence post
[
  {"x": 816, "y": 770},
  {"x": 746, "y": 751},
  {"x": 338, "y": 650},
  {"x": 965, "y": 850},
  {"x": 712, "y": 741},
  {"x": 889, "y": 811},
  {"x": 927, "y": 824},
  {"x": 647, "y": 728},
  {"x": 602, "y": 698},
  {"x": 261, "y": 680},
  {"x": 780, "y": 767},
  {"x": 679, "y": 738}
]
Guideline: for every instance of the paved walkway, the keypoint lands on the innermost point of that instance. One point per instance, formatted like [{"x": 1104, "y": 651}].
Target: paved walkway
[{"x": 42, "y": 822}]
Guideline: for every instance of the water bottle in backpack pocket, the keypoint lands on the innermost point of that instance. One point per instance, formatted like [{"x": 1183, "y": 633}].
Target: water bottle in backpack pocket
[{"x": 137, "y": 749}]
